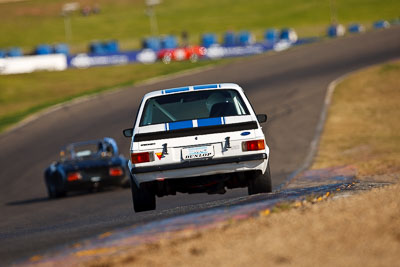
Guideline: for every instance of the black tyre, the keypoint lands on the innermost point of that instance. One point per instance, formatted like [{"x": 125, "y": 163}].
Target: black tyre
[
  {"x": 194, "y": 58},
  {"x": 125, "y": 182},
  {"x": 143, "y": 198},
  {"x": 260, "y": 183},
  {"x": 55, "y": 187},
  {"x": 167, "y": 59}
]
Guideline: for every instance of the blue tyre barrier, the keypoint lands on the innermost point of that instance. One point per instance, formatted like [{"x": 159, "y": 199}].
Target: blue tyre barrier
[
  {"x": 14, "y": 52},
  {"x": 208, "y": 39},
  {"x": 169, "y": 42},
  {"x": 153, "y": 43},
  {"x": 288, "y": 34},
  {"x": 111, "y": 46},
  {"x": 43, "y": 49},
  {"x": 336, "y": 30},
  {"x": 381, "y": 24},
  {"x": 271, "y": 36},
  {"x": 355, "y": 28},
  {"x": 244, "y": 38},
  {"x": 2, "y": 54},
  {"x": 96, "y": 48},
  {"x": 229, "y": 39},
  {"x": 61, "y": 49},
  {"x": 101, "y": 48}
]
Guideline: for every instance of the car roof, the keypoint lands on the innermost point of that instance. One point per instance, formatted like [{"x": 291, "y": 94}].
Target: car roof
[
  {"x": 87, "y": 142},
  {"x": 192, "y": 88}
]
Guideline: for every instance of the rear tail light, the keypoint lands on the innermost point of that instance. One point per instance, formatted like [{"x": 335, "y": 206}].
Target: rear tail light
[
  {"x": 74, "y": 176},
  {"x": 116, "y": 171},
  {"x": 142, "y": 157},
  {"x": 253, "y": 145}
]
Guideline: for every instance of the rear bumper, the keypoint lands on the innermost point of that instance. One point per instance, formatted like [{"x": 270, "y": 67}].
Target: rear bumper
[
  {"x": 200, "y": 168},
  {"x": 87, "y": 183},
  {"x": 199, "y": 163}
]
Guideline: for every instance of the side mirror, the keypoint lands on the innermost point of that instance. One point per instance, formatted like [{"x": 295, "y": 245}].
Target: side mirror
[
  {"x": 128, "y": 132},
  {"x": 261, "y": 118}
]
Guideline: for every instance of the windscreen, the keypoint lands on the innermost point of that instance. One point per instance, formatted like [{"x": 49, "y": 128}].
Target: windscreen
[
  {"x": 87, "y": 150},
  {"x": 193, "y": 105}
]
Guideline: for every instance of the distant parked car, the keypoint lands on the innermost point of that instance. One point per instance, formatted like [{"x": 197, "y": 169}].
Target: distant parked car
[
  {"x": 86, "y": 165},
  {"x": 192, "y": 53}
]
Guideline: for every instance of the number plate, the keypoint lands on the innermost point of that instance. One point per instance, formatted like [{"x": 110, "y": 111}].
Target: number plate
[
  {"x": 95, "y": 179},
  {"x": 199, "y": 152}
]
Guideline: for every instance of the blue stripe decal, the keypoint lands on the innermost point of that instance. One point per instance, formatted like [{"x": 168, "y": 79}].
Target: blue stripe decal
[
  {"x": 165, "y": 126},
  {"x": 206, "y": 86},
  {"x": 223, "y": 120},
  {"x": 180, "y": 125},
  {"x": 209, "y": 122},
  {"x": 175, "y": 90}
]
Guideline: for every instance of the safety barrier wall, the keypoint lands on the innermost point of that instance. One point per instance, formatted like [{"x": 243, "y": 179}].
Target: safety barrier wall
[
  {"x": 11, "y": 65},
  {"x": 145, "y": 56},
  {"x": 232, "y": 46},
  {"x": 217, "y": 51}
]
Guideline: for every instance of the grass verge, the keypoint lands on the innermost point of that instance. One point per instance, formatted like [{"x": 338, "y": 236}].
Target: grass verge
[
  {"x": 363, "y": 126},
  {"x": 29, "y": 23},
  {"x": 22, "y": 95}
]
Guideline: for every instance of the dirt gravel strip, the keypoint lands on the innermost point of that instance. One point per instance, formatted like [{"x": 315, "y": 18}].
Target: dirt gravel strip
[
  {"x": 344, "y": 232},
  {"x": 312, "y": 186}
]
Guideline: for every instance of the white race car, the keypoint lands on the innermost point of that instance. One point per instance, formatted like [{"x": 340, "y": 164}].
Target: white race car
[{"x": 194, "y": 139}]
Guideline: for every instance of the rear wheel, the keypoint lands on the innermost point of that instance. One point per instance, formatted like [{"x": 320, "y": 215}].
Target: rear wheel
[
  {"x": 125, "y": 182},
  {"x": 260, "y": 183},
  {"x": 194, "y": 58},
  {"x": 55, "y": 188},
  {"x": 143, "y": 198},
  {"x": 167, "y": 59}
]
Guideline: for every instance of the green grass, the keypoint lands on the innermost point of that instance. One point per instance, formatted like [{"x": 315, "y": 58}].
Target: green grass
[
  {"x": 28, "y": 23},
  {"x": 363, "y": 127},
  {"x": 25, "y": 94}
]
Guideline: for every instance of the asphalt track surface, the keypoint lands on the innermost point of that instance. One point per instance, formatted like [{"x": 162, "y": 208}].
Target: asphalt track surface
[{"x": 289, "y": 86}]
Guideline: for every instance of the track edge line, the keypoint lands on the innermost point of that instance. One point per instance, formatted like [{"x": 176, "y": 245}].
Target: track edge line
[{"x": 319, "y": 129}]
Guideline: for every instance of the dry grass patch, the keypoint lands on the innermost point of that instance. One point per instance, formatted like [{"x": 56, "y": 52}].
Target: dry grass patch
[
  {"x": 358, "y": 231},
  {"x": 363, "y": 126}
]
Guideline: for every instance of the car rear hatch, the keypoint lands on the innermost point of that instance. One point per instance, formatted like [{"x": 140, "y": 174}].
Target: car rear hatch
[
  {"x": 202, "y": 142},
  {"x": 92, "y": 169}
]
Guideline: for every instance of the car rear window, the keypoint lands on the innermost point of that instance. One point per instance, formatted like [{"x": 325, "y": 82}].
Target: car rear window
[
  {"x": 87, "y": 150},
  {"x": 193, "y": 105}
]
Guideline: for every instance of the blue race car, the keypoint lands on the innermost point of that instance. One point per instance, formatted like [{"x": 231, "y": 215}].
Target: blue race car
[{"x": 86, "y": 165}]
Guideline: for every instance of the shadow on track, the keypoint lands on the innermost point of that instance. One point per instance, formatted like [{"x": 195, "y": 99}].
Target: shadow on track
[
  {"x": 70, "y": 195},
  {"x": 28, "y": 201}
]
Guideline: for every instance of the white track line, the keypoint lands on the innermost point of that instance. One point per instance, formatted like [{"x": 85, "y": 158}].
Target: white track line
[{"x": 318, "y": 131}]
